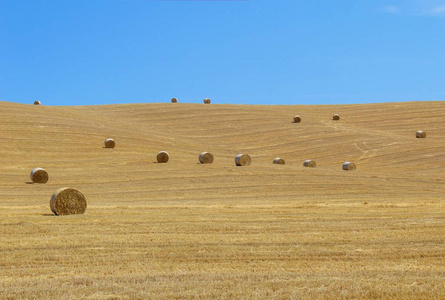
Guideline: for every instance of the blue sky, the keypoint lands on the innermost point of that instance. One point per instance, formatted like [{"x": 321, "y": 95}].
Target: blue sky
[{"x": 242, "y": 52}]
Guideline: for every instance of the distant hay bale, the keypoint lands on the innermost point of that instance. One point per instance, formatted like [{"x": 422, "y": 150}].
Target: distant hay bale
[
  {"x": 309, "y": 163},
  {"x": 39, "y": 175},
  {"x": 420, "y": 134},
  {"x": 206, "y": 158},
  {"x": 335, "y": 117},
  {"x": 110, "y": 143},
  {"x": 206, "y": 101},
  {"x": 68, "y": 201},
  {"x": 349, "y": 166},
  {"x": 162, "y": 157},
  {"x": 37, "y": 102},
  {"x": 279, "y": 161},
  {"x": 243, "y": 160},
  {"x": 297, "y": 119},
  {"x": 174, "y": 100}
]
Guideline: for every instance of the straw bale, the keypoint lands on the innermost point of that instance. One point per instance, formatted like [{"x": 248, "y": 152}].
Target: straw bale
[
  {"x": 68, "y": 201},
  {"x": 349, "y": 166},
  {"x": 309, "y": 163},
  {"x": 243, "y": 160},
  {"x": 206, "y": 101},
  {"x": 174, "y": 100},
  {"x": 37, "y": 102},
  {"x": 279, "y": 161},
  {"x": 110, "y": 143},
  {"x": 335, "y": 117},
  {"x": 420, "y": 134},
  {"x": 297, "y": 119},
  {"x": 162, "y": 157},
  {"x": 39, "y": 175},
  {"x": 206, "y": 158}
]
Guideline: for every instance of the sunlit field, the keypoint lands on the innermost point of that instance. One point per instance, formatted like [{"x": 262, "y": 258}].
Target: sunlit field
[{"x": 184, "y": 230}]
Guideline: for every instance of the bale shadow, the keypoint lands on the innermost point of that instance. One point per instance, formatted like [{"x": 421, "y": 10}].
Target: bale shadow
[
  {"x": 29, "y": 182},
  {"x": 48, "y": 215}
]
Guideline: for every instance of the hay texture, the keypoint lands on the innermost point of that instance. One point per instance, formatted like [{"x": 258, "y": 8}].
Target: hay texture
[
  {"x": 297, "y": 119},
  {"x": 279, "y": 161},
  {"x": 206, "y": 101},
  {"x": 335, "y": 117},
  {"x": 243, "y": 160},
  {"x": 162, "y": 157},
  {"x": 174, "y": 100},
  {"x": 206, "y": 158},
  {"x": 309, "y": 163},
  {"x": 37, "y": 102},
  {"x": 68, "y": 201},
  {"x": 39, "y": 175},
  {"x": 349, "y": 166},
  {"x": 110, "y": 143},
  {"x": 420, "y": 134}
]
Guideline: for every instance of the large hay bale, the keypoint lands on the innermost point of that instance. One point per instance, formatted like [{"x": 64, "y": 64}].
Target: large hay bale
[
  {"x": 335, "y": 117},
  {"x": 39, "y": 175},
  {"x": 206, "y": 101},
  {"x": 297, "y": 119},
  {"x": 243, "y": 160},
  {"x": 420, "y": 134},
  {"x": 279, "y": 161},
  {"x": 37, "y": 102},
  {"x": 206, "y": 158},
  {"x": 349, "y": 166},
  {"x": 174, "y": 100},
  {"x": 110, "y": 143},
  {"x": 309, "y": 163},
  {"x": 162, "y": 157},
  {"x": 68, "y": 201}
]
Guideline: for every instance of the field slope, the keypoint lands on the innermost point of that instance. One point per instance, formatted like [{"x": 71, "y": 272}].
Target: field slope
[{"x": 186, "y": 230}]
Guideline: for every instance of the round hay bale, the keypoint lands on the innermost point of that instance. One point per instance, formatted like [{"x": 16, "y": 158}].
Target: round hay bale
[
  {"x": 206, "y": 158},
  {"x": 110, "y": 143},
  {"x": 68, "y": 201},
  {"x": 349, "y": 166},
  {"x": 335, "y": 117},
  {"x": 309, "y": 163},
  {"x": 162, "y": 157},
  {"x": 297, "y": 119},
  {"x": 243, "y": 160},
  {"x": 420, "y": 134},
  {"x": 206, "y": 101},
  {"x": 39, "y": 175},
  {"x": 37, "y": 102},
  {"x": 174, "y": 100},
  {"x": 279, "y": 161}
]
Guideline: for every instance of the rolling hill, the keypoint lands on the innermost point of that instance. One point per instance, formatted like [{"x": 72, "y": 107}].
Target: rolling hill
[{"x": 187, "y": 230}]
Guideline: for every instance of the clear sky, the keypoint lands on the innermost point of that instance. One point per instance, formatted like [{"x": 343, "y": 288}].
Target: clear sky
[{"x": 78, "y": 52}]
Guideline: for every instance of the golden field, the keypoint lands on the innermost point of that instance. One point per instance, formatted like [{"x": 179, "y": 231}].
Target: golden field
[{"x": 184, "y": 230}]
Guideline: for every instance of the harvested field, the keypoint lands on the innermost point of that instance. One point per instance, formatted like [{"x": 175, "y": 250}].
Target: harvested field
[{"x": 181, "y": 230}]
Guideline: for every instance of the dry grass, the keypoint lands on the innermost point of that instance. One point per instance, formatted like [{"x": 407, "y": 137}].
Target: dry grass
[{"x": 184, "y": 230}]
